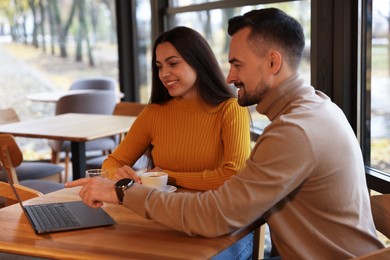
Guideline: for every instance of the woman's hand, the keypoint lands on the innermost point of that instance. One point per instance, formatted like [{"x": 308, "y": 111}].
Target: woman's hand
[{"x": 126, "y": 172}]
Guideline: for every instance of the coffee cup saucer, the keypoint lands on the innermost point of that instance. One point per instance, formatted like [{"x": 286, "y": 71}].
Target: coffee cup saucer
[{"x": 170, "y": 188}]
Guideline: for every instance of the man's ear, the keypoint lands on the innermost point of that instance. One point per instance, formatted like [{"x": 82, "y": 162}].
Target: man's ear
[{"x": 275, "y": 62}]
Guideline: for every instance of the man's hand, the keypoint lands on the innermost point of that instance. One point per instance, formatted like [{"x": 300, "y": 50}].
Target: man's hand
[{"x": 95, "y": 191}]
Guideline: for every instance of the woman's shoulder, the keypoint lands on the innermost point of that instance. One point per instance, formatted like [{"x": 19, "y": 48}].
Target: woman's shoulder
[
  {"x": 226, "y": 105},
  {"x": 230, "y": 103}
]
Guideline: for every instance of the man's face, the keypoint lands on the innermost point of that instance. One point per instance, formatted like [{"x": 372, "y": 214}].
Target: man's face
[{"x": 248, "y": 71}]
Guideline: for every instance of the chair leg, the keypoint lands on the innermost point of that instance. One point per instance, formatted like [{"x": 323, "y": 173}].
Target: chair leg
[
  {"x": 258, "y": 243},
  {"x": 55, "y": 157},
  {"x": 67, "y": 160}
]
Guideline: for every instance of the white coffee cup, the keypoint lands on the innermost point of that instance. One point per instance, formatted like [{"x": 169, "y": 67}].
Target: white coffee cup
[
  {"x": 95, "y": 173},
  {"x": 157, "y": 180}
]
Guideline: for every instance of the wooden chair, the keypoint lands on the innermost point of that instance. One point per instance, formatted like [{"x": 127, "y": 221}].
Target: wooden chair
[
  {"x": 127, "y": 108},
  {"x": 380, "y": 208},
  {"x": 11, "y": 157},
  {"x": 8, "y": 195},
  {"x": 124, "y": 108},
  {"x": 259, "y": 233},
  {"x": 30, "y": 169}
]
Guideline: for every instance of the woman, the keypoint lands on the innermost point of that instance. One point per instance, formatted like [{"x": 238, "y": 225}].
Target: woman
[{"x": 193, "y": 125}]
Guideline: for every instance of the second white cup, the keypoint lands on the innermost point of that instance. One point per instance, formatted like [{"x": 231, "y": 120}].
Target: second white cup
[{"x": 157, "y": 180}]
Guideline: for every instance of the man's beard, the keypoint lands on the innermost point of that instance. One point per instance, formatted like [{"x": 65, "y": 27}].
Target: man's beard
[{"x": 246, "y": 99}]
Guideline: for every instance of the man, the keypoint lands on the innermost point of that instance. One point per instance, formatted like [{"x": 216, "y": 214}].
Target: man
[{"x": 305, "y": 175}]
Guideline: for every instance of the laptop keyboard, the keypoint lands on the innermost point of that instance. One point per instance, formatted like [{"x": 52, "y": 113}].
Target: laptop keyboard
[{"x": 54, "y": 215}]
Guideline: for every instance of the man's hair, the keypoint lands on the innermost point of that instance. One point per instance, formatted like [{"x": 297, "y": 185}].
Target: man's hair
[{"x": 269, "y": 27}]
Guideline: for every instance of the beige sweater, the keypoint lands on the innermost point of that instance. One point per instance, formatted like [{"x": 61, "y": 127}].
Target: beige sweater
[{"x": 305, "y": 176}]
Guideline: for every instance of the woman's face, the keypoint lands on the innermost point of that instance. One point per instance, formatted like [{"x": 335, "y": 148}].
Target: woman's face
[{"x": 174, "y": 72}]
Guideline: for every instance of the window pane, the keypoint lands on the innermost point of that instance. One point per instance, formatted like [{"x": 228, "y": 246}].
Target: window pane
[
  {"x": 181, "y": 3},
  {"x": 45, "y": 46},
  {"x": 144, "y": 48},
  {"x": 380, "y": 86},
  {"x": 212, "y": 25}
]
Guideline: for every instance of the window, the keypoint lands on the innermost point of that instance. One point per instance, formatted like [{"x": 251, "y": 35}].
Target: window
[
  {"x": 378, "y": 86},
  {"x": 375, "y": 112},
  {"x": 210, "y": 18},
  {"x": 144, "y": 48},
  {"x": 46, "y": 45}
]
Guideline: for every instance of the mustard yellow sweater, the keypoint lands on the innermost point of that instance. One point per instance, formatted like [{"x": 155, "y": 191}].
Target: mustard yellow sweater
[{"x": 199, "y": 146}]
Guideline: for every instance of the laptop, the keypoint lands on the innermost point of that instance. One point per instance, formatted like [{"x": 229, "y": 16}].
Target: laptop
[{"x": 62, "y": 216}]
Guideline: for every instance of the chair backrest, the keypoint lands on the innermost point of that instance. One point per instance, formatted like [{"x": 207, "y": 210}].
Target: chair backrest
[
  {"x": 126, "y": 108},
  {"x": 100, "y": 83},
  {"x": 24, "y": 193},
  {"x": 380, "y": 208},
  {"x": 99, "y": 102},
  {"x": 8, "y": 116},
  {"x": 10, "y": 156}
]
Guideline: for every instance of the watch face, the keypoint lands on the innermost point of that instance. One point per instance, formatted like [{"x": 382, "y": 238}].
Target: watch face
[
  {"x": 121, "y": 186},
  {"x": 124, "y": 182}
]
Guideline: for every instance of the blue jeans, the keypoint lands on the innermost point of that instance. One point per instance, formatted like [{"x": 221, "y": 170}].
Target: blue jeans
[{"x": 242, "y": 249}]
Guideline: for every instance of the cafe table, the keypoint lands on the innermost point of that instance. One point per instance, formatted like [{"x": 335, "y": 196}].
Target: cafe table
[
  {"x": 131, "y": 237},
  {"x": 75, "y": 127}
]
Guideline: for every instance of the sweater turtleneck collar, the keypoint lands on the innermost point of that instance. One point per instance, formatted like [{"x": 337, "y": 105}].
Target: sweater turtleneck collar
[
  {"x": 195, "y": 104},
  {"x": 275, "y": 100},
  {"x": 188, "y": 104}
]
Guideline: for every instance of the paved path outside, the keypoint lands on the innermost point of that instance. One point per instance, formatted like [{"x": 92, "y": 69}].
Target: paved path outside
[{"x": 17, "y": 81}]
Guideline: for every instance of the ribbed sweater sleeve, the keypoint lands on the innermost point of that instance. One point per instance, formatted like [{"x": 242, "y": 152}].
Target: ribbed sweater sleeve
[{"x": 199, "y": 146}]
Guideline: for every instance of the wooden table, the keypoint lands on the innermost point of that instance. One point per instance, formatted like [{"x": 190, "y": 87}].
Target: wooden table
[
  {"x": 132, "y": 237},
  {"x": 77, "y": 128}
]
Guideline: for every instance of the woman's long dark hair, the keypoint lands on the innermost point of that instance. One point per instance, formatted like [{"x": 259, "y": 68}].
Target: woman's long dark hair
[{"x": 195, "y": 50}]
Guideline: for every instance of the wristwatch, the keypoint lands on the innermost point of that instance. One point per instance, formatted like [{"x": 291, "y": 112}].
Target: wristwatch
[{"x": 121, "y": 186}]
